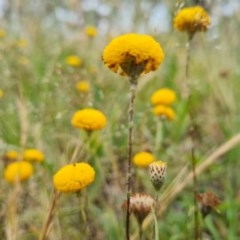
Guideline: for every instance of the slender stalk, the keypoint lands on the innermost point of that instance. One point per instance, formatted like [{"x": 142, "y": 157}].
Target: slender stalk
[
  {"x": 133, "y": 86},
  {"x": 51, "y": 214},
  {"x": 192, "y": 133},
  {"x": 140, "y": 230}
]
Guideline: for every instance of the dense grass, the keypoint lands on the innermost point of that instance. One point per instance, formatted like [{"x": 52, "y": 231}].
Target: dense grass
[{"x": 40, "y": 98}]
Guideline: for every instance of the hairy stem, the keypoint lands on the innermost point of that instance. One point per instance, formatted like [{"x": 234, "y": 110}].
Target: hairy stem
[{"x": 130, "y": 143}]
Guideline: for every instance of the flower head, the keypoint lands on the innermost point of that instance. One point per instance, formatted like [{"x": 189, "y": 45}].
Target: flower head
[
  {"x": 208, "y": 201},
  {"x": 163, "y": 96},
  {"x": 89, "y": 119},
  {"x": 20, "y": 170},
  {"x": 73, "y": 61},
  {"x": 32, "y": 154},
  {"x": 157, "y": 172},
  {"x": 164, "y": 112},
  {"x": 133, "y": 54},
  {"x": 140, "y": 205},
  {"x": 2, "y": 33},
  {"x": 143, "y": 159},
  {"x": 192, "y": 20},
  {"x": 11, "y": 155},
  {"x": 90, "y": 31},
  {"x": 1, "y": 93},
  {"x": 74, "y": 177},
  {"x": 83, "y": 86},
  {"x": 22, "y": 43}
]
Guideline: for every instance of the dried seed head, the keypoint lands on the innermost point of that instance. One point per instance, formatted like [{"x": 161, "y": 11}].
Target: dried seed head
[
  {"x": 208, "y": 201},
  {"x": 157, "y": 172},
  {"x": 140, "y": 205}
]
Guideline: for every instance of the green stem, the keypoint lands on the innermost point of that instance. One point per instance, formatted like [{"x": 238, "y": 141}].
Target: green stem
[
  {"x": 133, "y": 86},
  {"x": 192, "y": 136}
]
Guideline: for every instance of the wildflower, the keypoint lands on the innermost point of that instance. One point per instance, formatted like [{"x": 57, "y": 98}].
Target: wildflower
[
  {"x": 20, "y": 170},
  {"x": 22, "y": 43},
  {"x": 83, "y": 86},
  {"x": 133, "y": 54},
  {"x": 140, "y": 205},
  {"x": 157, "y": 172},
  {"x": 11, "y": 155},
  {"x": 143, "y": 159},
  {"x": 23, "y": 60},
  {"x": 89, "y": 119},
  {"x": 90, "y": 31},
  {"x": 33, "y": 155},
  {"x": 2, "y": 33},
  {"x": 192, "y": 20},
  {"x": 73, "y": 61},
  {"x": 208, "y": 201},
  {"x": 74, "y": 177},
  {"x": 164, "y": 112},
  {"x": 163, "y": 96},
  {"x": 1, "y": 93}
]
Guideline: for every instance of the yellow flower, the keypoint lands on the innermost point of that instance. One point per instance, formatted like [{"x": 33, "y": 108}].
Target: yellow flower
[
  {"x": 19, "y": 170},
  {"x": 133, "y": 54},
  {"x": 143, "y": 159},
  {"x": 73, "y": 61},
  {"x": 164, "y": 112},
  {"x": 83, "y": 86},
  {"x": 2, "y": 33},
  {"x": 74, "y": 177},
  {"x": 23, "y": 60},
  {"x": 157, "y": 173},
  {"x": 90, "y": 31},
  {"x": 192, "y": 19},
  {"x": 11, "y": 155},
  {"x": 89, "y": 119},
  {"x": 32, "y": 154},
  {"x": 22, "y": 43},
  {"x": 1, "y": 93},
  {"x": 163, "y": 96}
]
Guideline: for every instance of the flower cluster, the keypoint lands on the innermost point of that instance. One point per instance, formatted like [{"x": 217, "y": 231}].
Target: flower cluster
[
  {"x": 133, "y": 54},
  {"x": 192, "y": 20},
  {"x": 162, "y": 100},
  {"x": 74, "y": 177}
]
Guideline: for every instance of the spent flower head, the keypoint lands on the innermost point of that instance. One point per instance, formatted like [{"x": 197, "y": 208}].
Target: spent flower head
[
  {"x": 192, "y": 20},
  {"x": 133, "y": 54},
  {"x": 157, "y": 173},
  {"x": 74, "y": 177},
  {"x": 18, "y": 171},
  {"x": 89, "y": 119},
  {"x": 140, "y": 205},
  {"x": 163, "y": 96},
  {"x": 33, "y": 155},
  {"x": 143, "y": 159}
]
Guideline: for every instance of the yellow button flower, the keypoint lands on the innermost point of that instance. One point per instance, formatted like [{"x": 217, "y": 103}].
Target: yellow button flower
[
  {"x": 83, "y": 86},
  {"x": 19, "y": 170},
  {"x": 74, "y": 177},
  {"x": 163, "y": 96},
  {"x": 73, "y": 61},
  {"x": 11, "y": 155},
  {"x": 33, "y": 155},
  {"x": 133, "y": 54},
  {"x": 90, "y": 31},
  {"x": 143, "y": 159},
  {"x": 2, "y": 33},
  {"x": 22, "y": 43},
  {"x": 1, "y": 93},
  {"x": 192, "y": 20},
  {"x": 89, "y": 119},
  {"x": 164, "y": 112}
]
